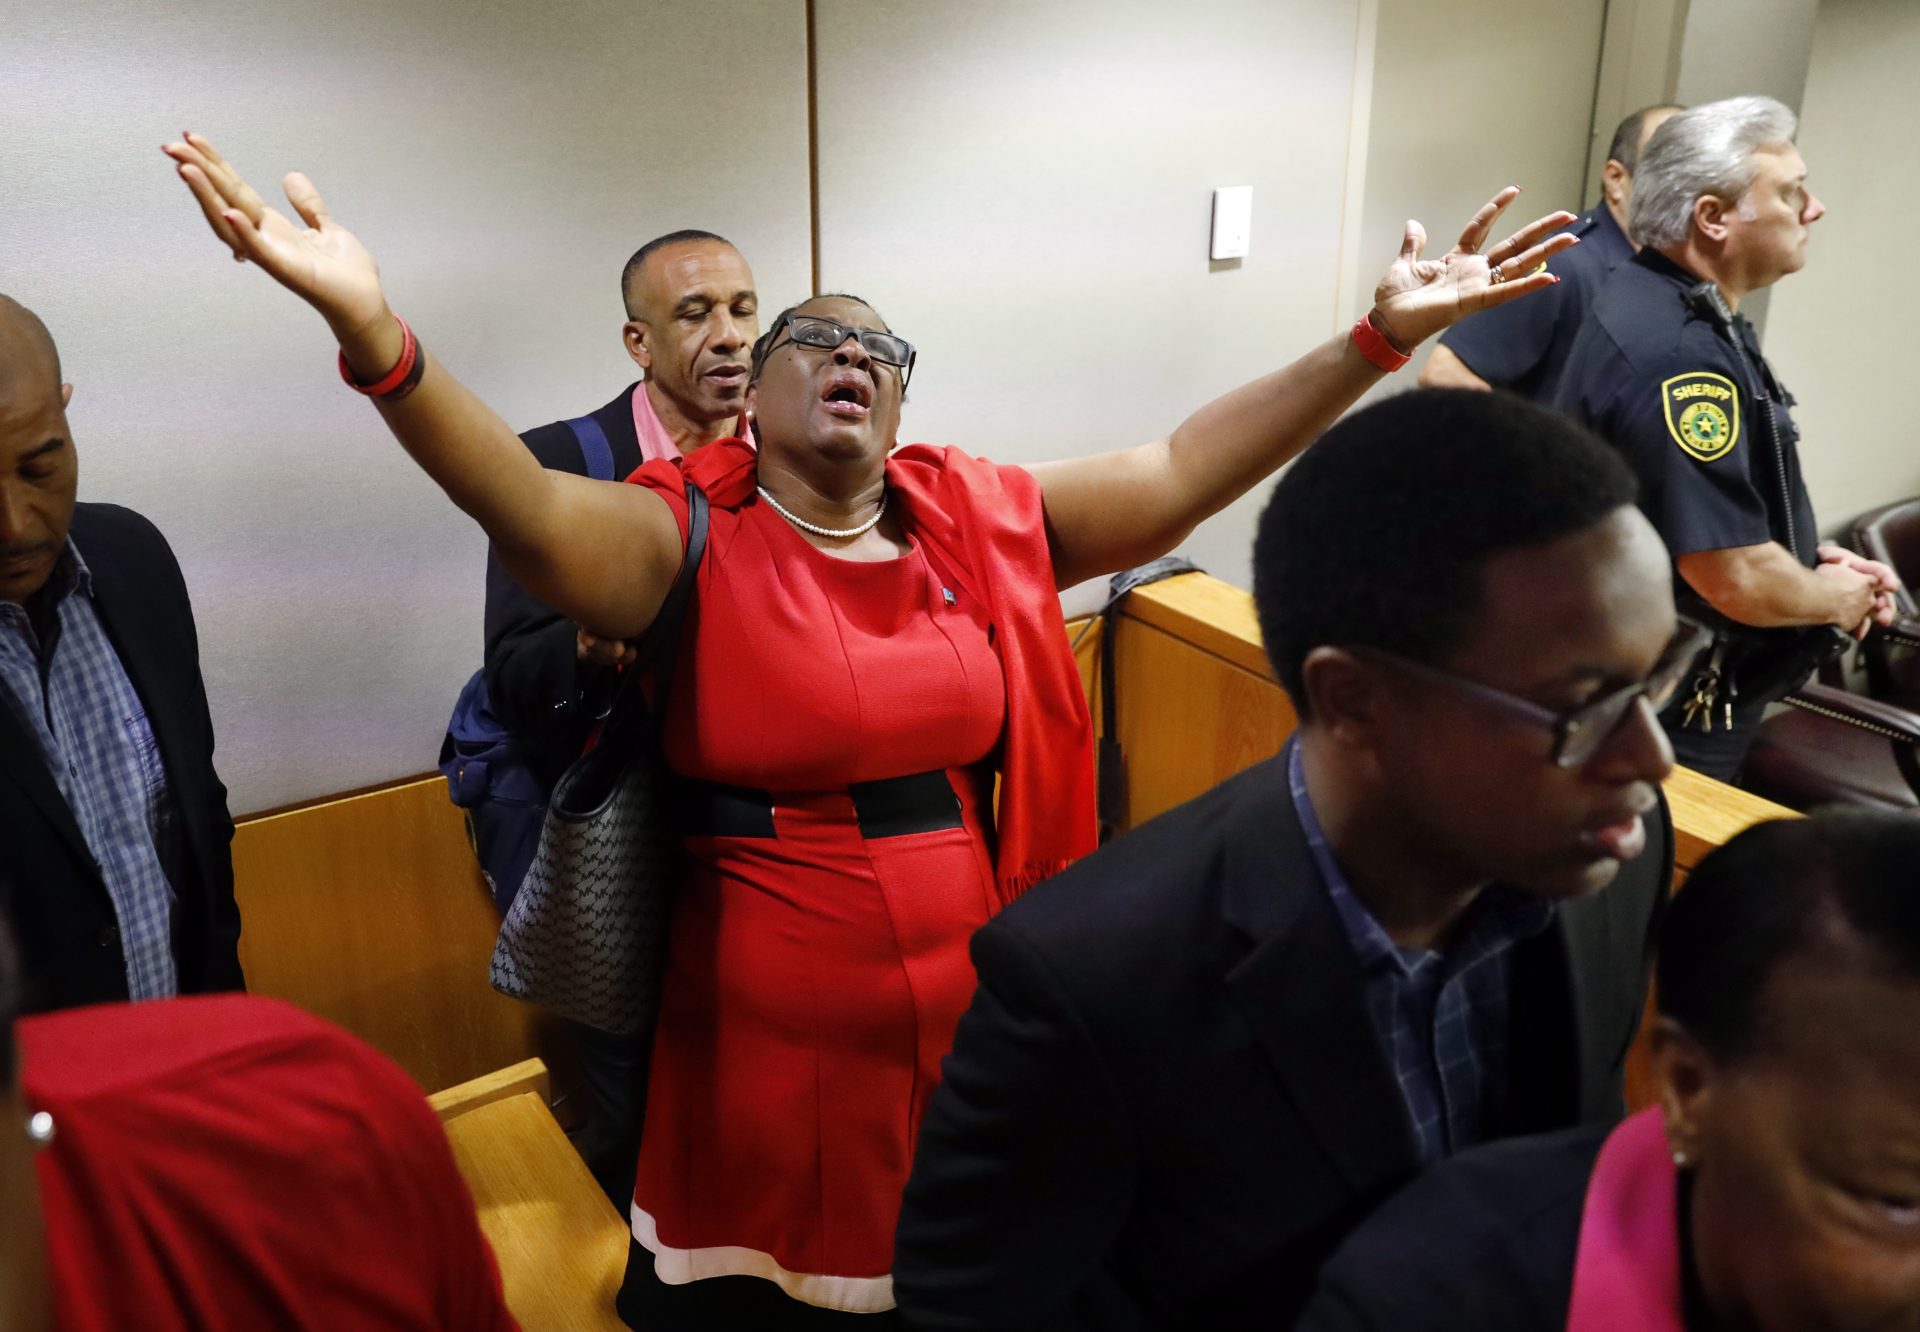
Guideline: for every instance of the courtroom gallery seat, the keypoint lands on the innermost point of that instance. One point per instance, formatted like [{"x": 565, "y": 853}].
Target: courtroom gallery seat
[{"x": 1831, "y": 747}]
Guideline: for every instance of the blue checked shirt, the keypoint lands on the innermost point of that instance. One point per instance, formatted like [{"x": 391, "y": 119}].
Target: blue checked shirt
[
  {"x": 73, "y": 696},
  {"x": 1441, "y": 1017}
]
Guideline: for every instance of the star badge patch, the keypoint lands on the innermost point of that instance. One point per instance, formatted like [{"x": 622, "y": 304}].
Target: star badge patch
[{"x": 1703, "y": 414}]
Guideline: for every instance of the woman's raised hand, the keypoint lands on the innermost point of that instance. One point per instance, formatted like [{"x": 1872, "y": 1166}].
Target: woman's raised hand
[
  {"x": 321, "y": 262},
  {"x": 1420, "y": 297}
]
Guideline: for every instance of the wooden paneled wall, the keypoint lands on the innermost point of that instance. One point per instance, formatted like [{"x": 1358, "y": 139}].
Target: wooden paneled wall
[{"x": 369, "y": 911}]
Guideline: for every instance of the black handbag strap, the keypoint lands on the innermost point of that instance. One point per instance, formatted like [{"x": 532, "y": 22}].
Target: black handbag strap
[
  {"x": 1110, "y": 762},
  {"x": 660, "y": 650}
]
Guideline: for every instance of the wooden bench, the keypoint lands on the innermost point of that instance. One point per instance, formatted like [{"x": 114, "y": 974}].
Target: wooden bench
[{"x": 562, "y": 1249}]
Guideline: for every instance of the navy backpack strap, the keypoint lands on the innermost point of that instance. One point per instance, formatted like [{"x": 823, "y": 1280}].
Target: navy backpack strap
[{"x": 593, "y": 447}]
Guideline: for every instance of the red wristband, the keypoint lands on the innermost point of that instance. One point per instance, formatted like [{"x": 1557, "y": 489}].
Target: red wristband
[
  {"x": 1372, "y": 344},
  {"x": 401, "y": 374}
]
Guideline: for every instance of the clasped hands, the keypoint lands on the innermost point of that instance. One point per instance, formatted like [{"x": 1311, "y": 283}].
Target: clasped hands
[
  {"x": 595, "y": 651},
  {"x": 1884, "y": 580}
]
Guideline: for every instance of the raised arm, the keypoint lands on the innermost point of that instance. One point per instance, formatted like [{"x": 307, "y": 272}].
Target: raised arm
[
  {"x": 1115, "y": 510},
  {"x": 602, "y": 554}
]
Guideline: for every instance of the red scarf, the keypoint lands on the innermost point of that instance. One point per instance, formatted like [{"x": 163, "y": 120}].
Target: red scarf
[
  {"x": 985, "y": 522},
  {"x": 1626, "y": 1272}
]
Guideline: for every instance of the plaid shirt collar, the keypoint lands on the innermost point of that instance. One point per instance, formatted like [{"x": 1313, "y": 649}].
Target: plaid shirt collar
[
  {"x": 1498, "y": 918},
  {"x": 70, "y": 574}
]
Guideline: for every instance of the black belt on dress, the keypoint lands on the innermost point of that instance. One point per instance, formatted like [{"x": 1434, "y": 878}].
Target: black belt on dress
[{"x": 894, "y": 807}]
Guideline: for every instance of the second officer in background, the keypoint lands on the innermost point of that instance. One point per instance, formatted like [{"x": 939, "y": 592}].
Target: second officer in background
[{"x": 1666, "y": 369}]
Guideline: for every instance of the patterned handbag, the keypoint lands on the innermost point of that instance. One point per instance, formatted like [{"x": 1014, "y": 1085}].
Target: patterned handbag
[{"x": 587, "y": 933}]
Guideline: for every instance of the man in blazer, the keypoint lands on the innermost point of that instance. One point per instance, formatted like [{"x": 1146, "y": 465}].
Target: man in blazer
[
  {"x": 692, "y": 315},
  {"x": 116, "y": 865},
  {"x": 1196, "y": 1059}
]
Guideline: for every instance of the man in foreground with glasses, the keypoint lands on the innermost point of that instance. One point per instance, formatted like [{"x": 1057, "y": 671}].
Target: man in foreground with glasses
[{"x": 1197, "y": 1058}]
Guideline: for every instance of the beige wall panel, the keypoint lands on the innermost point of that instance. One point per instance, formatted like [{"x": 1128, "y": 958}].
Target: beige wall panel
[
  {"x": 1024, "y": 191},
  {"x": 1639, "y": 66},
  {"x": 1861, "y": 430},
  {"x": 1465, "y": 100},
  {"x": 501, "y": 160},
  {"x": 1735, "y": 47}
]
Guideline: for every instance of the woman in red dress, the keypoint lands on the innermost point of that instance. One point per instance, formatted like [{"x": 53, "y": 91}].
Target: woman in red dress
[{"x": 876, "y": 633}]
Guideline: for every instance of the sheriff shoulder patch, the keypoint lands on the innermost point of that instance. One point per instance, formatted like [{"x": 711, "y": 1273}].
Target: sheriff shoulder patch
[{"x": 1703, "y": 414}]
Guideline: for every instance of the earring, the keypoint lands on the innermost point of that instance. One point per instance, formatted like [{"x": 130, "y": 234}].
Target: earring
[
  {"x": 40, "y": 1128},
  {"x": 1680, "y": 1159}
]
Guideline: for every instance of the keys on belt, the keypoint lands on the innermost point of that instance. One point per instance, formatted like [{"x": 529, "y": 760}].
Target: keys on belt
[{"x": 1713, "y": 690}]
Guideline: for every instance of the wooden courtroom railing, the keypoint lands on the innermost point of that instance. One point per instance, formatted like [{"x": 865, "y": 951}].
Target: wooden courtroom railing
[
  {"x": 562, "y": 1248},
  {"x": 370, "y": 911}
]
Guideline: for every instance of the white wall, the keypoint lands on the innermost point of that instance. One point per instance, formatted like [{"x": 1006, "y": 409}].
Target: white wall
[
  {"x": 1735, "y": 47},
  {"x": 502, "y": 161},
  {"x": 1639, "y": 66},
  {"x": 1837, "y": 330},
  {"x": 1024, "y": 191},
  {"x": 1023, "y": 188},
  {"x": 1467, "y": 100}
]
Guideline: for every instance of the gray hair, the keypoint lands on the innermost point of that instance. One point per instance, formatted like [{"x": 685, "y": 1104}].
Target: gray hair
[{"x": 1708, "y": 150}]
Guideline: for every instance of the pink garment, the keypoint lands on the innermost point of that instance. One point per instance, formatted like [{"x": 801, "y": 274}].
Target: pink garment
[
  {"x": 655, "y": 442},
  {"x": 1626, "y": 1272}
]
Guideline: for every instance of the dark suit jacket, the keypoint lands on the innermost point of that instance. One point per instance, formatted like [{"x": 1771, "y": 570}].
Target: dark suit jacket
[
  {"x": 534, "y": 682},
  {"x": 1484, "y": 1242},
  {"x": 50, "y": 887},
  {"x": 1167, "y": 1103}
]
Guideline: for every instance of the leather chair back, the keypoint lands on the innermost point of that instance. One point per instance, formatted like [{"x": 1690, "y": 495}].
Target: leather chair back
[{"x": 1891, "y": 534}]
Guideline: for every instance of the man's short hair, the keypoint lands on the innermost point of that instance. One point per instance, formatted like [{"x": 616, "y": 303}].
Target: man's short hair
[
  {"x": 1840, "y": 881},
  {"x": 1376, "y": 536},
  {"x": 1625, "y": 148},
  {"x": 630, "y": 275},
  {"x": 1706, "y": 150}
]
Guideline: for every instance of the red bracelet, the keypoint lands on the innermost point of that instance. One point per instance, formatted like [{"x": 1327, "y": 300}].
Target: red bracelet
[
  {"x": 1373, "y": 344},
  {"x": 397, "y": 382}
]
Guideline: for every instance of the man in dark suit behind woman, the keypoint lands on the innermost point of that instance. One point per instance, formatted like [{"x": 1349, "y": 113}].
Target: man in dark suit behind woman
[
  {"x": 692, "y": 313},
  {"x": 116, "y": 869},
  {"x": 1199, "y": 1057}
]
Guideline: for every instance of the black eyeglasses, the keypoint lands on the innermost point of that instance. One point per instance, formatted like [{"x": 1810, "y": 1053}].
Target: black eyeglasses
[
  {"x": 826, "y": 334},
  {"x": 1578, "y": 732}
]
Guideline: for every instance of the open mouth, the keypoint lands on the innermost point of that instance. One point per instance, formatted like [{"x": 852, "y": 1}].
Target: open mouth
[
  {"x": 1622, "y": 839},
  {"x": 848, "y": 394},
  {"x": 726, "y": 376}
]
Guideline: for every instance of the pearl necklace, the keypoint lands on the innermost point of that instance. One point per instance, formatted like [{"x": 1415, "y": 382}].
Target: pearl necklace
[{"x": 841, "y": 535}]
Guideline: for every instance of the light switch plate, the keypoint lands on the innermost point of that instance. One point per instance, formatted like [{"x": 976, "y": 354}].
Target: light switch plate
[{"x": 1232, "y": 222}]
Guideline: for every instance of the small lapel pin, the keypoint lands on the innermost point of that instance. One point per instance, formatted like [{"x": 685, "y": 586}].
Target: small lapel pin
[{"x": 946, "y": 595}]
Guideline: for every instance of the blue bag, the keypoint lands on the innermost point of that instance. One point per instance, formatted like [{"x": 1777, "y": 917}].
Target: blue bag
[{"x": 505, "y": 800}]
